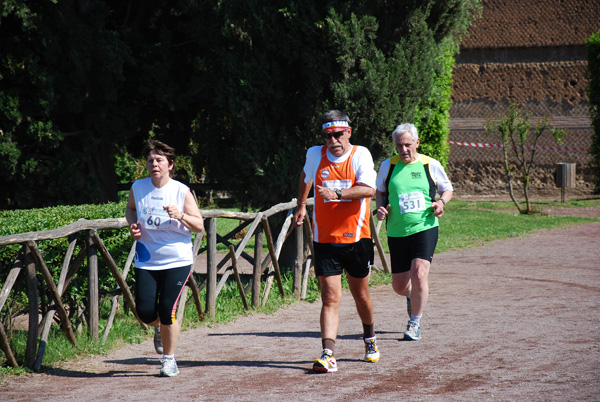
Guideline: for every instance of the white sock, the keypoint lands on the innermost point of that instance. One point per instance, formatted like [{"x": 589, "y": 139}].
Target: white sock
[
  {"x": 416, "y": 318},
  {"x": 169, "y": 356},
  {"x": 369, "y": 339}
]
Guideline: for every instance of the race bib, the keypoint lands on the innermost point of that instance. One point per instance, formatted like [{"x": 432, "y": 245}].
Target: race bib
[
  {"x": 337, "y": 185},
  {"x": 155, "y": 218},
  {"x": 412, "y": 202}
]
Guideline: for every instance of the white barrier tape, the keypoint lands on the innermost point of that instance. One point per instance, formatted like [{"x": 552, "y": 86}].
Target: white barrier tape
[{"x": 484, "y": 145}]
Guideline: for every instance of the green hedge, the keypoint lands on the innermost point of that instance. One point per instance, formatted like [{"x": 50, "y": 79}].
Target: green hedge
[
  {"x": 593, "y": 56},
  {"x": 118, "y": 243}
]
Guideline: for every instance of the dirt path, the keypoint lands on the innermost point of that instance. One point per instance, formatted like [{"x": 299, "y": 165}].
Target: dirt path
[{"x": 517, "y": 319}]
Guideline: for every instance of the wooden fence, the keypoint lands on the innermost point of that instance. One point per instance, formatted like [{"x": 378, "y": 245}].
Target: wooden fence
[{"x": 217, "y": 273}]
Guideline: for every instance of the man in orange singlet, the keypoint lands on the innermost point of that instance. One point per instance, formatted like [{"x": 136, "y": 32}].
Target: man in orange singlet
[{"x": 344, "y": 182}]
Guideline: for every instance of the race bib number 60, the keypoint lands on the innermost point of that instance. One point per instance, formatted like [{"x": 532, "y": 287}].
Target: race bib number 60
[
  {"x": 155, "y": 218},
  {"x": 412, "y": 202}
]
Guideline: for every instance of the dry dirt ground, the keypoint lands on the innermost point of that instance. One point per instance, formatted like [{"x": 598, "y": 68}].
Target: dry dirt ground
[{"x": 515, "y": 320}]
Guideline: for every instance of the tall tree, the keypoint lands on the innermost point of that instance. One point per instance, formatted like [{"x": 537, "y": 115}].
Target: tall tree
[
  {"x": 286, "y": 62},
  {"x": 58, "y": 101},
  {"x": 77, "y": 79},
  {"x": 238, "y": 85}
]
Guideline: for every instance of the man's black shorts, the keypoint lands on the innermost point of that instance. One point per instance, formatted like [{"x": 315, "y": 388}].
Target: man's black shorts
[
  {"x": 356, "y": 258},
  {"x": 405, "y": 249}
]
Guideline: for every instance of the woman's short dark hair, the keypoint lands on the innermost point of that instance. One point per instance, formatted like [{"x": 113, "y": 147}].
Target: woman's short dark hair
[{"x": 160, "y": 148}]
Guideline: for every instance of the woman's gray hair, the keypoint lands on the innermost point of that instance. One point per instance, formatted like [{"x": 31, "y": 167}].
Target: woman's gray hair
[{"x": 405, "y": 128}]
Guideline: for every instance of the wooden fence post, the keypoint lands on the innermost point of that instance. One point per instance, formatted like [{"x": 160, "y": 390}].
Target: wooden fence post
[
  {"x": 5, "y": 347},
  {"x": 309, "y": 261},
  {"x": 237, "y": 276},
  {"x": 283, "y": 235},
  {"x": 274, "y": 256},
  {"x": 240, "y": 251},
  {"x": 62, "y": 313},
  {"x": 117, "y": 274},
  {"x": 93, "y": 299},
  {"x": 32, "y": 291},
  {"x": 48, "y": 318},
  {"x": 4, "y": 293},
  {"x": 298, "y": 263},
  {"x": 12, "y": 276},
  {"x": 117, "y": 293},
  {"x": 257, "y": 271},
  {"x": 192, "y": 282},
  {"x": 375, "y": 237},
  {"x": 211, "y": 266}
]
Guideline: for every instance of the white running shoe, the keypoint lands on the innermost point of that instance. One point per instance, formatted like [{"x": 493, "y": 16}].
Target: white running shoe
[
  {"x": 169, "y": 367},
  {"x": 326, "y": 364},
  {"x": 413, "y": 331},
  {"x": 371, "y": 351}
]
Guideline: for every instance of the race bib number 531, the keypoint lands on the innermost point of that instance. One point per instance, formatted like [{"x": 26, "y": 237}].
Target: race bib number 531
[{"x": 412, "y": 202}]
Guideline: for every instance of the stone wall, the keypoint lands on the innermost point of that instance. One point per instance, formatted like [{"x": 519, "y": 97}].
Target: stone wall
[
  {"x": 557, "y": 83},
  {"x": 531, "y": 53},
  {"x": 481, "y": 180}
]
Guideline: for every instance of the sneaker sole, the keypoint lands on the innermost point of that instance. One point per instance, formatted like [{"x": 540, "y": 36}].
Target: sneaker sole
[
  {"x": 324, "y": 370},
  {"x": 372, "y": 359},
  {"x": 319, "y": 368},
  {"x": 162, "y": 374},
  {"x": 410, "y": 338}
]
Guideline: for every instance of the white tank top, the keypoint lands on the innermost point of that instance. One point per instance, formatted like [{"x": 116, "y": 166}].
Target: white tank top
[{"x": 165, "y": 242}]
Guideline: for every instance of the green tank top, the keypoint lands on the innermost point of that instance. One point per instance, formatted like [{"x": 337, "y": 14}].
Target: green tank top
[{"x": 410, "y": 192}]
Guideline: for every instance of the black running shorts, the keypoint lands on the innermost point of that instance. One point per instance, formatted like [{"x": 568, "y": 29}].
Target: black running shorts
[
  {"x": 405, "y": 249},
  {"x": 355, "y": 258}
]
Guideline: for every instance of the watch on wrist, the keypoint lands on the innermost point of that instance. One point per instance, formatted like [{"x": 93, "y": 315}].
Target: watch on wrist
[
  {"x": 443, "y": 201},
  {"x": 338, "y": 192}
]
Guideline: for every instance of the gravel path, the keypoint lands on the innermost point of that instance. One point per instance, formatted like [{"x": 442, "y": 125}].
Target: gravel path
[{"x": 517, "y": 319}]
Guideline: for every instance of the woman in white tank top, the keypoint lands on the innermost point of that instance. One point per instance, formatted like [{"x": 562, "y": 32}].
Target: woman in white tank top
[{"x": 162, "y": 213}]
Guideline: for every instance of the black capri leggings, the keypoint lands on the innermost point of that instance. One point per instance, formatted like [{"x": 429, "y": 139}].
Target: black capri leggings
[{"x": 157, "y": 293}]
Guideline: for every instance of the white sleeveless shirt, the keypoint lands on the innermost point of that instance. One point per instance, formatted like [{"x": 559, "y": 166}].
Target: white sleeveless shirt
[{"x": 165, "y": 242}]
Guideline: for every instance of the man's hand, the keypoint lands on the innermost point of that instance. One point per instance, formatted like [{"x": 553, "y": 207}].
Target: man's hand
[
  {"x": 438, "y": 208},
  {"x": 326, "y": 193},
  {"x": 382, "y": 212},
  {"x": 299, "y": 215}
]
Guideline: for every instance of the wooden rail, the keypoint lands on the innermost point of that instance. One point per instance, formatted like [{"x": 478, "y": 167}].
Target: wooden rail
[{"x": 218, "y": 273}]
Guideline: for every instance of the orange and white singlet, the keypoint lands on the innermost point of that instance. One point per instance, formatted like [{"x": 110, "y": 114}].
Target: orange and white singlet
[{"x": 340, "y": 221}]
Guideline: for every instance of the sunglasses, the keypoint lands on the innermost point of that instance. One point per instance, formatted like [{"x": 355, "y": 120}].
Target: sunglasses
[{"x": 335, "y": 135}]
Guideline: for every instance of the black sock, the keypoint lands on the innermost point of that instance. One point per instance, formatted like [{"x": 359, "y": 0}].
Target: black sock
[
  {"x": 328, "y": 343},
  {"x": 368, "y": 331}
]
